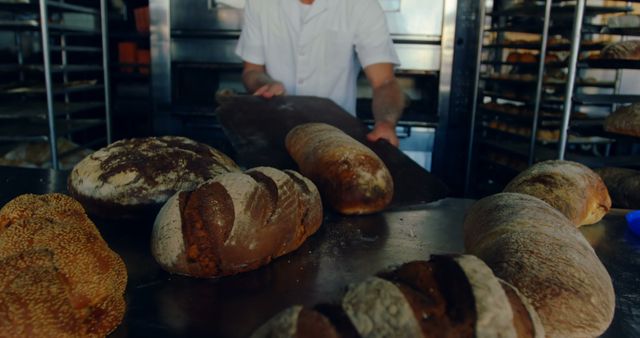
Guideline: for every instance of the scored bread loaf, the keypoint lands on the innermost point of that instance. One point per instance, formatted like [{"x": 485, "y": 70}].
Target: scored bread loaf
[
  {"x": 534, "y": 247},
  {"x": 572, "y": 188},
  {"x": 349, "y": 175},
  {"x": 57, "y": 275},
  {"x": 134, "y": 177},
  {"x": 623, "y": 185},
  {"x": 236, "y": 222},
  {"x": 448, "y": 296},
  {"x": 625, "y": 120}
]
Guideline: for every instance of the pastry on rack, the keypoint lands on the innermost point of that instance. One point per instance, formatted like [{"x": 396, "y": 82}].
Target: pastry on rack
[
  {"x": 623, "y": 50},
  {"x": 625, "y": 120}
]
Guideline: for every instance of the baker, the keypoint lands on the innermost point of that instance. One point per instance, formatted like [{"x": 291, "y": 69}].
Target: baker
[{"x": 309, "y": 47}]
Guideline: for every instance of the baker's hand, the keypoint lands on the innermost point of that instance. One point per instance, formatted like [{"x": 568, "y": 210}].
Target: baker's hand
[
  {"x": 270, "y": 90},
  {"x": 384, "y": 130}
]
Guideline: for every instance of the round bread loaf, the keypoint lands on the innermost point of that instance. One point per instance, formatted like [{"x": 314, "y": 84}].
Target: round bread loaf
[
  {"x": 623, "y": 185},
  {"x": 236, "y": 222},
  {"x": 134, "y": 177},
  {"x": 449, "y": 296},
  {"x": 625, "y": 120},
  {"x": 349, "y": 175},
  {"x": 622, "y": 50},
  {"x": 57, "y": 275},
  {"x": 570, "y": 187},
  {"x": 534, "y": 247}
]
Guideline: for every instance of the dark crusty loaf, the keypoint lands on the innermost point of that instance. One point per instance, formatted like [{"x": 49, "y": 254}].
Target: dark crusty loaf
[
  {"x": 625, "y": 120},
  {"x": 236, "y": 222},
  {"x": 534, "y": 247},
  {"x": 57, "y": 275},
  {"x": 623, "y": 50},
  {"x": 570, "y": 187},
  {"x": 134, "y": 177},
  {"x": 623, "y": 185},
  {"x": 350, "y": 176},
  {"x": 449, "y": 296}
]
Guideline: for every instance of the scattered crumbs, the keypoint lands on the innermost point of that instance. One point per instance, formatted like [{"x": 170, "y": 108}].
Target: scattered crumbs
[
  {"x": 412, "y": 233},
  {"x": 310, "y": 251}
]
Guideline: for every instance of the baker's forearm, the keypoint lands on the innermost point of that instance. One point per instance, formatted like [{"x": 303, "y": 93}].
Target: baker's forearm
[
  {"x": 254, "y": 79},
  {"x": 388, "y": 102}
]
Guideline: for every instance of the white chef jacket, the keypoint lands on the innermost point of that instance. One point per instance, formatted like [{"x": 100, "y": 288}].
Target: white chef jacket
[{"x": 316, "y": 55}]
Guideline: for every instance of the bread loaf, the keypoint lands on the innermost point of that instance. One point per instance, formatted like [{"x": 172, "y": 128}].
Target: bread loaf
[
  {"x": 623, "y": 185},
  {"x": 625, "y": 120},
  {"x": 350, "y": 176},
  {"x": 570, "y": 187},
  {"x": 449, "y": 296},
  {"x": 58, "y": 277},
  {"x": 534, "y": 247},
  {"x": 623, "y": 50},
  {"x": 236, "y": 222},
  {"x": 134, "y": 177}
]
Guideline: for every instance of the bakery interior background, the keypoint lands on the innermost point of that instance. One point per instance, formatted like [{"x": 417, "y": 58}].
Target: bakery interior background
[{"x": 164, "y": 67}]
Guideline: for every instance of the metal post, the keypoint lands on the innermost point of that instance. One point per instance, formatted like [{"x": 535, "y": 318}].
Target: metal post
[
  {"x": 573, "y": 63},
  {"x": 18, "y": 40},
  {"x": 474, "y": 107},
  {"x": 540, "y": 82},
  {"x": 44, "y": 31},
  {"x": 105, "y": 66}
]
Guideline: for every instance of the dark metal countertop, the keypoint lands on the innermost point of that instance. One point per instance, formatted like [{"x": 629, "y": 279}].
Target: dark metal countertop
[{"x": 344, "y": 250}]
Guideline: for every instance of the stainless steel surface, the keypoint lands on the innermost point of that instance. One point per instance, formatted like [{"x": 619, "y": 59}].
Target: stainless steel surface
[
  {"x": 571, "y": 77},
  {"x": 345, "y": 250},
  {"x": 414, "y": 17},
  {"x": 414, "y": 56},
  {"x": 44, "y": 31},
  {"x": 446, "y": 56},
  {"x": 160, "y": 30},
  {"x": 208, "y": 50},
  {"x": 200, "y": 15},
  {"x": 539, "y": 81},
  {"x": 104, "y": 24},
  {"x": 474, "y": 104}
]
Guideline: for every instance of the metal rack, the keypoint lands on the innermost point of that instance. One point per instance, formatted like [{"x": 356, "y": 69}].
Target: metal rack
[
  {"x": 553, "y": 104},
  {"x": 63, "y": 89}
]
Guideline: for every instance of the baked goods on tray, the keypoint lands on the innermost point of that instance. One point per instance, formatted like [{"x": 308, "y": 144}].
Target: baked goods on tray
[
  {"x": 236, "y": 222},
  {"x": 58, "y": 277},
  {"x": 448, "y": 296},
  {"x": 625, "y": 120},
  {"x": 351, "y": 177},
  {"x": 134, "y": 177},
  {"x": 623, "y": 50},
  {"x": 537, "y": 249},
  {"x": 572, "y": 188}
]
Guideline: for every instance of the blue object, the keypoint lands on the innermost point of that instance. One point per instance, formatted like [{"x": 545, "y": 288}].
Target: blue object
[{"x": 633, "y": 219}]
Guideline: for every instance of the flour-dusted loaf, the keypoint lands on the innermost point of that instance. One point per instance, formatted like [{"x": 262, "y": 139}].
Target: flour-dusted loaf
[
  {"x": 534, "y": 247},
  {"x": 351, "y": 177},
  {"x": 134, "y": 177},
  {"x": 625, "y": 120},
  {"x": 448, "y": 296},
  {"x": 570, "y": 187},
  {"x": 623, "y": 185},
  {"x": 622, "y": 50},
  {"x": 58, "y": 278},
  {"x": 236, "y": 222}
]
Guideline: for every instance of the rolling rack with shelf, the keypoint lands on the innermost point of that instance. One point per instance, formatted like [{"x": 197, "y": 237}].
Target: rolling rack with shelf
[
  {"x": 54, "y": 84},
  {"x": 518, "y": 98}
]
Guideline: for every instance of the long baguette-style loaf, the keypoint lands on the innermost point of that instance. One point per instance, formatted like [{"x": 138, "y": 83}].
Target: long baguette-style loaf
[
  {"x": 572, "y": 188},
  {"x": 534, "y": 247},
  {"x": 448, "y": 296},
  {"x": 350, "y": 176},
  {"x": 236, "y": 222}
]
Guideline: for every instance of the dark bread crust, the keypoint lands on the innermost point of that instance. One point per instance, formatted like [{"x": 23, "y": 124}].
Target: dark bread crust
[
  {"x": 625, "y": 120},
  {"x": 623, "y": 185}
]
